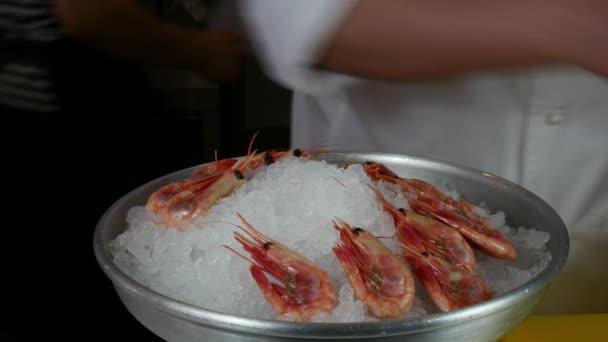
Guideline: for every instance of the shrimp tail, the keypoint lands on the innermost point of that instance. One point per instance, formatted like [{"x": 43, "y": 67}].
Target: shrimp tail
[
  {"x": 488, "y": 240},
  {"x": 349, "y": 265},
  {"x": 271, "y": 292}
]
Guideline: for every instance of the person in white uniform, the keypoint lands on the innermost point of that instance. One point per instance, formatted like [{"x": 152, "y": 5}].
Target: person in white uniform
[{"x": 517, "y": 89}]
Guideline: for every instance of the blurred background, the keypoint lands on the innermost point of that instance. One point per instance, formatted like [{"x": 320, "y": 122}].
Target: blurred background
[
  {"x": 197, "y": 117},
  {"x": 133, "y": 124},
  {"x": 122, "y": 125}
]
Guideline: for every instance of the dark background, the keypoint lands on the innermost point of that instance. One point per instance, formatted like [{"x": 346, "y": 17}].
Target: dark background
[{"x": 124, "y": 126}]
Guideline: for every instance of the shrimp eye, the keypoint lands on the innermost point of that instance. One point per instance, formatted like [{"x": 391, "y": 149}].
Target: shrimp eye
[
  {"x": 267, "y": 245},
  {"x": 268, "y": 158},
  {"x": 426, "y": 254},
  {"x": 357, "y": 231},
  {"x": 369, "y": 163},
  {"x": 401, "y": 210},
  {"x": 297, "y": 152},
  {"x": 238, "y": 174}
]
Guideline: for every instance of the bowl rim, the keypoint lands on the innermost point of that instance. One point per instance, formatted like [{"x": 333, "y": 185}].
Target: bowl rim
[{"x": 278, "y": 328}]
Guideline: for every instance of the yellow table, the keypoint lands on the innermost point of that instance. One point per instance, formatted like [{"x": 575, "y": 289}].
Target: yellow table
[{"x": 571, "y": 328}]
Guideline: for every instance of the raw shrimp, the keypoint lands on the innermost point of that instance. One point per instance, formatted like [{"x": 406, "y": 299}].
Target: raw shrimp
[
  {"x": 460, "y": 215},
  {"x": 257, "y": 160},
  {"x": 160, "y": 197},
  {"x": 272, "y": 156},
  {"x": 221, "y": 166},
  {"x": 179, "y": 204},
  {"x": 175, "y": 203},
  {"x": 303, "y": 289},
  {"x": 437, "y": 238},
  {"x": 441, "y": 240},
  {"x": 378, "y": 277},
  {"x": 486, "y": 238},
  {"x": 211, "y": 169},
  {"x": 448, "y": 285},
  {"x": 196, "y": 200},
  {"x": 210, "y": 173}
]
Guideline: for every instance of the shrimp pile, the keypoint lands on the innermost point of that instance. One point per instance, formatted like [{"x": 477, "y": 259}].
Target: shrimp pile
[
  {"x": 434, "y": 239},
  {"x": 179, "y": 204},
  {"x": 436, "y": 251},
  {"x": 460, "y": 215}
]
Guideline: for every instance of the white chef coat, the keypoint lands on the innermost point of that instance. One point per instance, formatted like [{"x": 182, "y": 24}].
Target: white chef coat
[{"x": 543, "y": 128}]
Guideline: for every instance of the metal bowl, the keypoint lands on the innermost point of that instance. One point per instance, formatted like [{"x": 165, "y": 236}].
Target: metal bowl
[{"x": 487, "y": 321}]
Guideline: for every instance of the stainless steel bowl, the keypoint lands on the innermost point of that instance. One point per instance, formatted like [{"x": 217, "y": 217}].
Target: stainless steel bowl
[{"x": 486, "y": 321}]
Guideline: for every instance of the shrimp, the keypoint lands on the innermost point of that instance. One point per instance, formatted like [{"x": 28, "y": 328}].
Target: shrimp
[
  {"x": 441, "y": 240},
  {"x": 221, "y": 166},
  {"x": 211, "y": 169},
  {"x": 488, "y": 239},
  {"x": 379, "y": 278},
  {"x": 196, "y": 200},
  {"x": 257, "y": 160},
  {"x": 436, "y": 238},
  {"x": 179, "y": 204},
  {"x": 160, "y": 197},
  {"x": 460, "y": 215},
  {"x": 174, "y": 203},
  {"x": 272, "y": 156},
  {"x": 209, "y": 173},
  {"x": 302, "y": 289},
  {"x": 450, "y": 287}
]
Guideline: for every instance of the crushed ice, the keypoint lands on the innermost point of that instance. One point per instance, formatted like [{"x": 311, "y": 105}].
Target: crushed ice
[{"x": 292, "y": 201}]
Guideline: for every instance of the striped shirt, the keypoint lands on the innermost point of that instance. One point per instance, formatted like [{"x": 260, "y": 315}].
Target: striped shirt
[{"x": 27, "y": 26}]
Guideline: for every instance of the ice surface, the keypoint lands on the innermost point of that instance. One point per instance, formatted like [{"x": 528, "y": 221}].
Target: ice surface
[{"x": 292, "y": 201}]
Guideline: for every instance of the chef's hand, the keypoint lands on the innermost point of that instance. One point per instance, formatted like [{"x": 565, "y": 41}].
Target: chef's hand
[
  {"x": 583, "y": 32},
  {"x": 126, "y": 30},
  {"x": 220, "y": 56}
]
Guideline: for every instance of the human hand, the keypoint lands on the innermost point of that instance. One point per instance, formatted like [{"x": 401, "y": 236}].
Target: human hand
[
  {"x": 219, "y": 55},
  {"x": 582, "y": 33}
]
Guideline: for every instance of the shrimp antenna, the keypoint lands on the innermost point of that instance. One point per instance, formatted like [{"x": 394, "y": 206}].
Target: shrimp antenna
[
  {"x": 336, "y": 179},
  {"x": 226, "y": 222},
  {"x": 321, "y": 148},
  {"x": 390, "y": 237},
  {"x": 251, "y": 231},
  {"x": 395, "y": 193},
  {"x": 238, "y": 226},
  {"x": 239, "y": 254},
  {"x": 325, "y": 143},
  {"x": 348, "y": 164},
  {"x": 251, "y": 142},
  {"x": 338, "y": 222}
]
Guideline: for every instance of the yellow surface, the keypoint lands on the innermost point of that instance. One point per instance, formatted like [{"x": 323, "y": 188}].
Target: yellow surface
[{"x": 571, "y": 328}]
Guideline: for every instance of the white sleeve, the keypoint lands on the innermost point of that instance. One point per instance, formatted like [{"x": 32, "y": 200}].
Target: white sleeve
[{"x": 290, "y": 35}]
